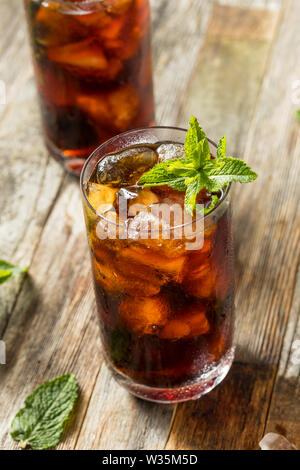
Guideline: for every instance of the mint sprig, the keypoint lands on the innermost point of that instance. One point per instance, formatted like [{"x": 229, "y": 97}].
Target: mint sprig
[
  {"x": 41, "y": 422},
  {"x": 8, "y": 270},
  {"x": 198, "y": 169}
]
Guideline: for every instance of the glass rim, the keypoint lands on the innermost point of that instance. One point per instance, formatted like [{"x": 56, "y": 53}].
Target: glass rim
[{"x": 133, "y": 131}]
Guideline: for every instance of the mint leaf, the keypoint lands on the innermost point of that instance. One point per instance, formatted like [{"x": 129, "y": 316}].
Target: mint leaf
[
  {"x": 41, "y": 422},
  {"x": 214, "y": 201},
  {"x": 7, "y": 270},
  {"x": 298, "y": 115},
  {"x": 198, "y": 170},
  {"x": 221, "y": 150},
  {"x": 167, "y": 173},
  {"x": 226, "y": 170},
  {"x": 192, "y": 189},
  {"x": 196, "y": 144}
]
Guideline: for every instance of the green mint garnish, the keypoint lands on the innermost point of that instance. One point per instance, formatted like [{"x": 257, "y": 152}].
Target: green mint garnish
[
  {"x": 197, "y": 170},
  {"x": 41, "y": 422},
  {"x": 8, "y": 270},
  {"x": 298, "y": 115}
]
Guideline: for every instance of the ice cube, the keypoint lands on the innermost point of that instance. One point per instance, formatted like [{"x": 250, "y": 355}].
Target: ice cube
[
  {"x": 170, "y": 152},
  {"x": 53, "y": 28},
  {"x": 115, "y": 109},
  {"x": 145, "y": 315},
  {"x": 128, "y": 194},
  {"x": 169, "y": 196},
  {"x": 123, "y": 48},
  {"x": 115, "y": 282},
  {"x": 84, "y": 55},
  {"x": 138, "y": 272},
  {"x": 112, "y": 33},
  {"x": 96, "y": 19},
  {"x": 189, "y": 322},
  {"x": 124, "y": 168},
  {"x": 100, "y": 195},
  {"x": 171, "y": 268},
  {"x": 273, "y": 441},
  {"x": 118, "y": 7},
  {"x": 201, "y": 282},
  {"x": 145, "y": 224},
  {"x": 145, "y": 199},
  {"x": 175, "y": 329}
]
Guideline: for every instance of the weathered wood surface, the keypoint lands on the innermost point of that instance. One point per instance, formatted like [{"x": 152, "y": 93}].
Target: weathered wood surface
[{"x": 233, "y": 64}]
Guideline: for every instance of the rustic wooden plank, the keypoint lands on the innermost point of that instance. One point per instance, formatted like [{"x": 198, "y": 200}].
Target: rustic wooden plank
[
  {"x": 226, "y": 418},
  {"x": 284, "y": 413},
  {"x": 226, "y": 81},
  {"x": 57, "y": 298},
  {"x": 261, "y": 4},
  {"x": 265, "y": 268},
  {"x": 30, "y": 182},
  {"x": 53, "y": 328},
  {"x": 118, "y": 421},
  {"x": 174, "y": 56},
  {"x": 14, "y": 50},
  {"x": 266, "y": 234}
]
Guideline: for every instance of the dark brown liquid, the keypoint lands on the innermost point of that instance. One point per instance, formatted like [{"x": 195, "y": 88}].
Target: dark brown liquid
[
  {"x": 93, "y": 71},
  {"x": 166, "y": 314}
]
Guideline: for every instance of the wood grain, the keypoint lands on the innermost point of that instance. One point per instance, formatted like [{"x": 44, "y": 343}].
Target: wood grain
[
  {"x": 230, "y": 417},
  {"x": 284, "y": 413},
  {"x": 174, "y": 56},
  {"x": 122, "y": 421},
  {"x": 227, "y": 78},
  {"x": 267, "y": 241},
  {"x": 14, "y": 51},
  {"x": 217, "y": 59}
]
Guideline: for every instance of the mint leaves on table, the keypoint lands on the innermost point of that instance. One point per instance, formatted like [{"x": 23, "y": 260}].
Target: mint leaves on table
[
  {"x": 298, "y": 115},
  {"x": 41, "y": 422},
  {"x": 7, "y": 270},
  {"x": 197, "y": 170}
]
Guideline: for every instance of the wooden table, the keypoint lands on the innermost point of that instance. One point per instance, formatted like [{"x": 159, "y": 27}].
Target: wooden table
[{"x": 235, "y": 65}]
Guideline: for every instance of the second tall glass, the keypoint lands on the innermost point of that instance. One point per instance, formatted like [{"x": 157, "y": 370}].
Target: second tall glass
[{"x": 93, "y": 67}]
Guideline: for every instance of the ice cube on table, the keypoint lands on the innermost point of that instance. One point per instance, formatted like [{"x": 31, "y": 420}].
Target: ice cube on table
[
  {"x": 125, "y": 168},
  {"x": 273, "y": 441},
  {"x": 170, "y": 152}
]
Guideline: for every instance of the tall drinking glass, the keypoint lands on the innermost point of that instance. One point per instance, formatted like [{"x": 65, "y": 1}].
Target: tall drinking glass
[
  {"x": 166, "y": 306},
  {"x": 93, "y": 68}
]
